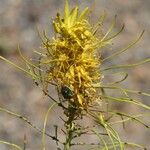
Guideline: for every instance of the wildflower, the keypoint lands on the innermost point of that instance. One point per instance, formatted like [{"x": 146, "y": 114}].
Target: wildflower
[
  {"x": 72, "y": 62},
  {"x": 72, "y": 56}
]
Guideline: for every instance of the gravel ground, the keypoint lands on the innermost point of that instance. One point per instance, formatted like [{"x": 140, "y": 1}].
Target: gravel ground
[{"x": 18, "y": 22}]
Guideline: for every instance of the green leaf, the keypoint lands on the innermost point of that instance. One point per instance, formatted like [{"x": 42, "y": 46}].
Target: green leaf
[
  {"x": 126, "y": 48},
  {"x": 11, "y": 144}
]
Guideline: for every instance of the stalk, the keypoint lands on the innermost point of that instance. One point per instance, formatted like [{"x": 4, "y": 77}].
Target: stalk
[{"x": 70, "y": 128}]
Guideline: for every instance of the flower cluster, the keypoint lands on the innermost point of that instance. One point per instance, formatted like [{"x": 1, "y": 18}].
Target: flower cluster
[{"x": 72, "y": 58}]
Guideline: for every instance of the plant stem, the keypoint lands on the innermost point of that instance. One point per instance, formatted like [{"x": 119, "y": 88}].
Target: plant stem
[{"x": 70, "y": 128}]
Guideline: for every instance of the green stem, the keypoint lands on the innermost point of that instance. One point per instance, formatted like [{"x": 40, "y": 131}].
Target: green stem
[
  {"x": 70, "y": 129},
  {"x": 69, "y": 136}
]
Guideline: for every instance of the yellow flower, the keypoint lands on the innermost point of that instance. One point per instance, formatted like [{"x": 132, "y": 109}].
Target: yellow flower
[{"x": 72, "y": 56}]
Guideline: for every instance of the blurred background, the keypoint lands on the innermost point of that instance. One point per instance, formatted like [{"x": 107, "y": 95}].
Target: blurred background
[{"x": 19, "y": 20}]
